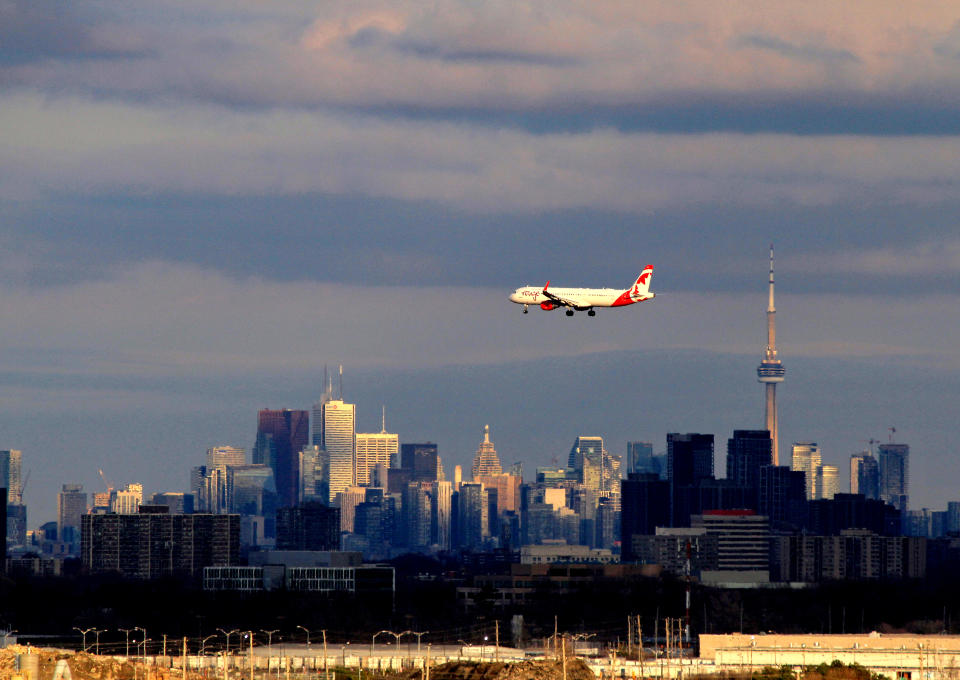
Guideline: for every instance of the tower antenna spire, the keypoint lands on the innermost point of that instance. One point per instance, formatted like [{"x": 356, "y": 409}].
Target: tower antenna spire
[
  {"x": 771, "y": 371},
  {"x": 383, "y": 419},
  {"x": 341, "y": 382}
]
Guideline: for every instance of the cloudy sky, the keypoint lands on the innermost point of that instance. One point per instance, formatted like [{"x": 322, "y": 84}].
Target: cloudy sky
[{"x": 201, "y": 204}]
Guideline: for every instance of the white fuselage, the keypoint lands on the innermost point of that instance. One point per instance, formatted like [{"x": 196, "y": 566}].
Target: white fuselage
[{"x": 581, "y": 297}]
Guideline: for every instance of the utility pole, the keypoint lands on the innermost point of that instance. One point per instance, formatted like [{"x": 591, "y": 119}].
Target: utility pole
[
  {"x": 250, "y": 633},
  {"x": 496, "y": 638},
  {"x": 555, "y": 653},
  {"x": 326, "y": 675},
  {"x": 183, "y": 660},
  {"x": 629, "y": 636},
  {"x": 164, "y": 645}
]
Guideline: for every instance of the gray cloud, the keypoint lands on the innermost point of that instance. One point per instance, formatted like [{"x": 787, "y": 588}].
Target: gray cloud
[{"x": 807, "y": 52}]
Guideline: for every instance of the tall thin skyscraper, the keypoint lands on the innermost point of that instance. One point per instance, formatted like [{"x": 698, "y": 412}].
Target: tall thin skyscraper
[
  {"x": 338, "y": 437},
  {"x": 281, "y": 435},
  {"x": 770, "y": 372},
  {"x": 864, "y": 475},
  {"x": 11, "y": 462},
  {"x": 894, "y": 460},
  {"x": 806, "y": 458}
]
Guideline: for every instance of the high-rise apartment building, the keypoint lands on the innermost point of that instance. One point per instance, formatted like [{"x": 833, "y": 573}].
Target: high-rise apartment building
[
  {"x": 377, "y": 448},
  {"x": 806, "y": 458},
  {"x": 150, "y": 545},
  {"x": 11, "y": 465},
  {"x": 281, "y": 435},
  {"x": 864, "y": 475},
  {"x": 827, "y": 481},
  {"x": 472, "y": 515},
  {"x": 486, "y": 461},
  {"x": 338, "y": 437},
  {"x": 71, "y": 507},
  {"x": 894, "y": 465},
  {"x": 747, "y": 452}
]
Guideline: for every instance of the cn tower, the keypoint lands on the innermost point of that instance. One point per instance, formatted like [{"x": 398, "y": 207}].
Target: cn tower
[{"x": 771, "y": 371}]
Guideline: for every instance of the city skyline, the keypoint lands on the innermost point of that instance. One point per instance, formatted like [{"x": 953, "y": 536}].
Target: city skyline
[{"x": 202, "y": 205}]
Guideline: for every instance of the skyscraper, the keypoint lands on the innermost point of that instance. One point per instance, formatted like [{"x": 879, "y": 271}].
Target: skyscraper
[
  {"x": 827, "y": 481},
  {"x": 771, "y": 371},
  {"x": 640, "y": 457},
  {"x": 864, "y": 475},
  {"x": 11, "y": 462},
  {"x": 486, "y": 462},
  {"x": 806, "y": 458},
  {"x": 338, "y": 437},
  {"x": 281, "y": 435},
  {"x": 226, "y": 455},
  {"x": 377, "y": 448},
  {"x": 419, "y": 461},
  {"x": 747, "y": 452},
  {"x": 894, "y": 464},
  {"x": 71, "y": 507}
]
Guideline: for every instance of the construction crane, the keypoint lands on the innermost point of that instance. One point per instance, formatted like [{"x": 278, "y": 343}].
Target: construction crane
[{"x": 104, "y": 478}]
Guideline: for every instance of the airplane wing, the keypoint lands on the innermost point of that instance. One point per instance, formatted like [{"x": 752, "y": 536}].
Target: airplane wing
[{"x": 556, "y": 299}]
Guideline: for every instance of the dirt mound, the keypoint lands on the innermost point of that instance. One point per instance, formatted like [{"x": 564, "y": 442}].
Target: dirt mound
[
  {"x": 524, "y": 670},
  {"x": 84, "y": 666}
]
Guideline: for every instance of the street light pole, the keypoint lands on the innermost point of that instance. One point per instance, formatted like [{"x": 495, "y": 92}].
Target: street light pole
[
  {"x": 419, "y": 635},
  {"x": 84, "y": 634},
  {"x": 308, "y": 635},
  {"x": 269, "y": 634},
  {"x": 227, "y": 634},
  {"x": 97, "y": 643},
  {"x": 127, "y": 631}
]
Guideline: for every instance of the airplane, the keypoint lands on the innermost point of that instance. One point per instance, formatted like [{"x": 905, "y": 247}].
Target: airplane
[{"x": 585, "y": 299}]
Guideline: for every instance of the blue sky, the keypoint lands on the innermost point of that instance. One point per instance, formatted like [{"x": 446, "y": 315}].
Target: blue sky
[{"x": 203, "y": 204}]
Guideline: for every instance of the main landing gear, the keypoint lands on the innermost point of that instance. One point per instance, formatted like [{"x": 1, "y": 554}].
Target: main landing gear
[
  {"x": 569, "y": 312},
  {"x": 592, "y": 312}
]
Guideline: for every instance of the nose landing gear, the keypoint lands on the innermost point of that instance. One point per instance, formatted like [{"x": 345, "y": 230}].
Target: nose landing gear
[{"x": 525, "y": 310}]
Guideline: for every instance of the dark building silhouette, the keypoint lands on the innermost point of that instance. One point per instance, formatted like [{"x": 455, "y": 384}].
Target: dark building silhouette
[
  {"x": 281, "y": 435},
  {"x": 311, "y": 526},
  {"x": 420, "y": 460},
  {"x": 640, "y": 458},
  {"x": 783, "y": 497},
  {"x": 644, "y": 506},
  {"x": 747, "y": 452},
  {"x": 689, "y": 462},
  {"x": 828, "y": 517},
  {"x": 865, "y": 475},
  {"x": 894, "y": 464},
  {"x": 3, "y": 523},
  {"x": 154, "y": 543}
]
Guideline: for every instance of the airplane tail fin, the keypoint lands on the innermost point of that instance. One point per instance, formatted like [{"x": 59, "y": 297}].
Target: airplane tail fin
[{"x": 642, "y": 285}]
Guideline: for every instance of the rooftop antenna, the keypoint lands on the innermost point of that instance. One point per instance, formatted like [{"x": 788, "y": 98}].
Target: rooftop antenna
[
  {"x": 341, "y": 382},
  {"x": 383, "y": 419},
  {"x": 893, "y": 431}
]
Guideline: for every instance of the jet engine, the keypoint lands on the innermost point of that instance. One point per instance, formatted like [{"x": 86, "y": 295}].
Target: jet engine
[{"x": 547, "y": 306}]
